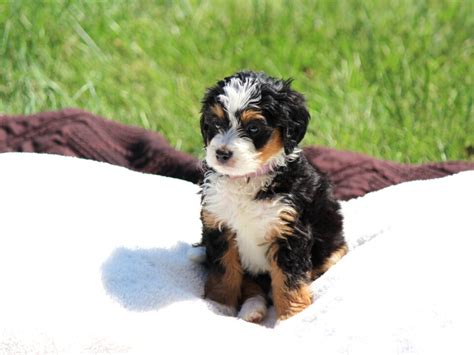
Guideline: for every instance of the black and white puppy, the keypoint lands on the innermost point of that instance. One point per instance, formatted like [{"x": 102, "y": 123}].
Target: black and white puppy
[{"x": 270, "y": 221}]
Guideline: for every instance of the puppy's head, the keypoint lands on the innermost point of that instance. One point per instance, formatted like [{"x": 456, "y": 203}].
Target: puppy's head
[{"x": 250, "y": 121}]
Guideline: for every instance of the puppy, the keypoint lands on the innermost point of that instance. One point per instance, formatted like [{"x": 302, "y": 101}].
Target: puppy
[{"x": 270, "y": 221}]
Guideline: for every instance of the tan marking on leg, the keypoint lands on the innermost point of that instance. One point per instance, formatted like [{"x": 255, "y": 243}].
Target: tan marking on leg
[
  {"x": 273, "y": 147},
  {"x": 329, "y": 262},
  {"x": 209, "y": 220},
  {"x": 225, "y": 287},
  {"x": 283, "y": 228},
  {"x": 218, "y": 111},
  {"x": 288, "y": 301}
]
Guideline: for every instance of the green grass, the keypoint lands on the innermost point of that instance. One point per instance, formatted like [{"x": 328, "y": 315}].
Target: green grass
[{"x": 393, "y": 79}]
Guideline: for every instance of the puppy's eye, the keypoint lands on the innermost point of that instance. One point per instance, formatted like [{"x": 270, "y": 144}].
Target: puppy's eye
[{"x": 253, "y": 129}]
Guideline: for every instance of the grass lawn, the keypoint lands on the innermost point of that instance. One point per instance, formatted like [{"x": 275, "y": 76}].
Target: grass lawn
[{"x": 393, "y": 79}]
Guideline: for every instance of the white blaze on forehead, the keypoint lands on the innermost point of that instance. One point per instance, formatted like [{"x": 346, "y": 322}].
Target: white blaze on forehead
[{"x": 238, "y": 95}]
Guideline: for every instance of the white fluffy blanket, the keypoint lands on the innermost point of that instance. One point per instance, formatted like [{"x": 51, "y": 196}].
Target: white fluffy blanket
[{"x": 93, "y": 259}]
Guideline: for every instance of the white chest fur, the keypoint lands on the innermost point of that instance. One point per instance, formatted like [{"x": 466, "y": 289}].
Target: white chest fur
[{"x": 232, "y": 202}]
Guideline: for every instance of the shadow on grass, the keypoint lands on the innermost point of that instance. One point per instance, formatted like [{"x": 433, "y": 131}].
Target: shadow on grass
[{"x": 149, "y": 279}]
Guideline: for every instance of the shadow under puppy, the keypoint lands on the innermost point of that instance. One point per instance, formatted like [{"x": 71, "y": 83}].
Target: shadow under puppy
[{"x": 270, "y": 221}]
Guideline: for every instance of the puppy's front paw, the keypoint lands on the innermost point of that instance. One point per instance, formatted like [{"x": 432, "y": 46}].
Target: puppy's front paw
[
  {"x": 254, "y": 309},
  {"x": 289, "y": 302},
  {"x": 222, "y": 309}
]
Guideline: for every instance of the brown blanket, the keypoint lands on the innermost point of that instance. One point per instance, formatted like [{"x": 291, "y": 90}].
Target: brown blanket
[{"x": 78, "y": 133}]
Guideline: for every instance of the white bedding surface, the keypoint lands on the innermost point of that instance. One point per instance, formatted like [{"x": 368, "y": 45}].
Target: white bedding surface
[{"x": 93, "y": 259}]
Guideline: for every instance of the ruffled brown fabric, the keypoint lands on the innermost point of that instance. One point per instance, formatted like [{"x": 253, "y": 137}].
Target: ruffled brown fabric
[{"x": 82, "y": 134}]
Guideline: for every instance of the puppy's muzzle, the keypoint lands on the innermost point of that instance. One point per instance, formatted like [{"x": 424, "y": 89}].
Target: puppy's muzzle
[{"x": 223, "y": 155}]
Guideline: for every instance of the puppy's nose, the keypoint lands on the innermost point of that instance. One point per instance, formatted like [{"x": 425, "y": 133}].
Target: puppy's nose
[{"x": 223, "y": 155}]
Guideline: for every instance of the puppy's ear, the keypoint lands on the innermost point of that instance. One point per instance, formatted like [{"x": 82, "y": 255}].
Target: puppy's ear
[
  {"x": 204, "y": 129},
  {"x": 297, "y": 120},
  {"x": 209, "y": 99}
]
